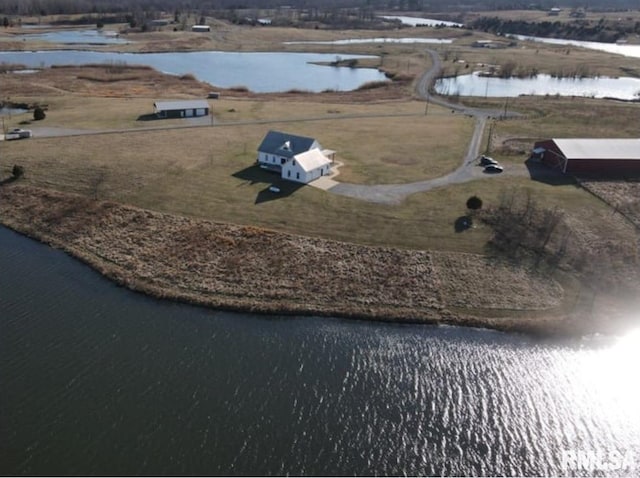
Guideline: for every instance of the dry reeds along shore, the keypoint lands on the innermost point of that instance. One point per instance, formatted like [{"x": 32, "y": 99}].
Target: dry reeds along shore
[{"x": 254, "y": 269}]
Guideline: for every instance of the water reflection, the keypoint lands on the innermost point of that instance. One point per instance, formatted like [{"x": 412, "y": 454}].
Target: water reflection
[
  {"x": 421, "y": 22},
  {"x": 483, "y": 86},
  {"x": 611, "y": 374},
  {"x": 358, "y": 41},
  {"x": 261, "y": 72},
  {"x": 617, "y": 48},
  {"x": 98, "y": 380}
]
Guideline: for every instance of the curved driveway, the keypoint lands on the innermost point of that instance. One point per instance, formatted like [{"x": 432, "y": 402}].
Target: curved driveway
[{"x": 395, "y": 193}]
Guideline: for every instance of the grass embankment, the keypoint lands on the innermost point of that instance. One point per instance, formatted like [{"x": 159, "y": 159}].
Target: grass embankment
[{"x": 253, "y": 269}]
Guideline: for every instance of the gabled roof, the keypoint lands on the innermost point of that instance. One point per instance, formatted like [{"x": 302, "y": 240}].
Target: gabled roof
[
  {"x": 588, "y": 148},
  {"x": 312, "y": 159},
  {"x": 284, "y": 144},
  {"x": 180, "y": 105}
]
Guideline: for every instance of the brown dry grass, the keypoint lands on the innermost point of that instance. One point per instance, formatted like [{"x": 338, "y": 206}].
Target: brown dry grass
[
  {"x": 101, "y": 81},
  {"x": 623, "y": 195},
  {"x": 425, "y": 146},
  {"x": 250, "y": 268}
]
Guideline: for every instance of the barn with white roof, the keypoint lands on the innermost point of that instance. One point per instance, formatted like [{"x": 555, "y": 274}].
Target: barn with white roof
[{"x": 591, "y": 156}]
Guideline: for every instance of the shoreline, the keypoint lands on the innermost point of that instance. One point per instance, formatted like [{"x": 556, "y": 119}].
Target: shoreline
[{"x": 335, "y": 279}]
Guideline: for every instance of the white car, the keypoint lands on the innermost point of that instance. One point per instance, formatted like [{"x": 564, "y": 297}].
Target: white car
[
  {"x": 17, "y": 133},
  {"x": 493, "y": 168},
  {"x": 274, "y": 189}
]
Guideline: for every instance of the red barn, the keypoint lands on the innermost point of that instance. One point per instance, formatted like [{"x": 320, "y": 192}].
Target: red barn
[{"x": 600, "y": 157}]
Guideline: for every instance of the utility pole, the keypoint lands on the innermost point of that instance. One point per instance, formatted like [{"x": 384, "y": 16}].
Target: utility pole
[{"x": 426, "y": 107}]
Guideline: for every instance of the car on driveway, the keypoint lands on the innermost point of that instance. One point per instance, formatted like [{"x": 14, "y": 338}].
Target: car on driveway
[
  {"x": 486, "y": 161},
  {"x": 493, "y": 168},
  {"x": 17, "y": 133},
  {"x": 274, "y": 189}
]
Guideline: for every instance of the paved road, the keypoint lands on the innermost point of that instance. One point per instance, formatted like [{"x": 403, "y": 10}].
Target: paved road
[{"x": 467, "y": 171}]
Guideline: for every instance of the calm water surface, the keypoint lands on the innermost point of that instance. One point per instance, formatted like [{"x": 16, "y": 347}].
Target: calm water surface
[
  {"x": 421, "y": 22},
  {"x": 95, "y": 379},
  {"x": 359, "y": 41},
  {"x": 617, "y": 48},
  {"x": 261, "y": 72},
  {"x": 602, "y": 87}
]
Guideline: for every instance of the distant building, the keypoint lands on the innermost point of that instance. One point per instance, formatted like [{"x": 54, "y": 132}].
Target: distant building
[
  {"x": 181, "y": 108},
  {"x": 555, "y": 11},
  {"x": 296, "y": 158},
  {"x": 201, "y": 28},
  {"x": 593, "y": 157}
]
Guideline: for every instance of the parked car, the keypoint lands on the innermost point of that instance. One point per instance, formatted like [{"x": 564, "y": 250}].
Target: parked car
[
  {"x": 17, "y": 133},
  {"x": 486, "y": 161},
  {"x": 274, "y": 189},
  {"x": 493, "y": 168}
]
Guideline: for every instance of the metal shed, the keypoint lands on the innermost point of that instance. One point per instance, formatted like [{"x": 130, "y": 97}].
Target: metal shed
[
  {"x": 591, "y": 156},
  {"x": 181, "y": 108}
]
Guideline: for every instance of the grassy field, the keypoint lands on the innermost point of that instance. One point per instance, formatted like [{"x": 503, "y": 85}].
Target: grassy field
[{"x": 209, "y": 173}]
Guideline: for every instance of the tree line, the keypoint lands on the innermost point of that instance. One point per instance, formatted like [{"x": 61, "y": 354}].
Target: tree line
[
  {"x": 578, "y": 29},
  {"x": 50, "y": 7}
]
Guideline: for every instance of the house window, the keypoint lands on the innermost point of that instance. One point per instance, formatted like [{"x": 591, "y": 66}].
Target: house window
[
  {"x": 297, "y": 175},
  {"x": 282, "y": 160},
  {"x": 289, "y": 173},
  {"x": 294, "y": 162}
]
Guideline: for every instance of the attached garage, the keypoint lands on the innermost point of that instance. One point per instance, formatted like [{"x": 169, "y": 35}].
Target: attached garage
[
  {"x": 181, "y": 108},
  {"x": 307, "y": 166},
  {"x": 592, "y": 157}
]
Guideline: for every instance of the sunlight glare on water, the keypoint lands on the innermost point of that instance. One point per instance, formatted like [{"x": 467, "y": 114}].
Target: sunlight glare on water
[{"x": 612, "y": 373}]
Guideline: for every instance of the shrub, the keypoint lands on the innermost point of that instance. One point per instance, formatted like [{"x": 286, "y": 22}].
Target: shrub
[
  {"x": 474, "y": 203},
  {"x": 17, "y": 171},
  {"x": 39, "y": 114}
]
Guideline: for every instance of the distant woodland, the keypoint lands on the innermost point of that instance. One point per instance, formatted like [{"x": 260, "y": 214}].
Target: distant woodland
[
  {"x": 50, "y": 7},
  {"x": 334, "y": 14}
]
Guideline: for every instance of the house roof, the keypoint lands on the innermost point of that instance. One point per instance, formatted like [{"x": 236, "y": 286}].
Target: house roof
[
  {"x": 180, "y": 105},
  {"x": 581, "y": 148},
  {"x": 312, "y": 159},
  {"x": 284, "y": 144}
]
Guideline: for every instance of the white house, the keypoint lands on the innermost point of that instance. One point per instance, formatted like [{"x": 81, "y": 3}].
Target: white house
[
  {"x": 296, "y": 158},
  {"x": 305, "y": 167}
]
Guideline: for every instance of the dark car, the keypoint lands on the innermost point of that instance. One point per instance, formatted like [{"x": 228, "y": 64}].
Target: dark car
[
  {"x": 486, "y": 161},
  {"x": 493, "y": 168}
]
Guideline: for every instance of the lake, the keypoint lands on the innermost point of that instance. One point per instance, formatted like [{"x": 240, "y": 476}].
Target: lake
[
  {"x": 617, "y": 48},
  {"x": 261, "y": 72},
  {"x": 421, "y": 22},
  {"x": 601, "y": 87},
  {"x": 360, "y": 41},
  {"x": 96, "y": 379}
]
